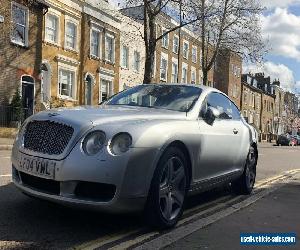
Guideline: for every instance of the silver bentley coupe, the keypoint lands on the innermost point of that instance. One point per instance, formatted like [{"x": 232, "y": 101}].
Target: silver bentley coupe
[{"x": 144, "y": 149}]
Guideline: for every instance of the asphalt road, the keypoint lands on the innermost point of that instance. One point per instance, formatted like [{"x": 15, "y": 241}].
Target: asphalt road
[{"x": 27, "y": 223}]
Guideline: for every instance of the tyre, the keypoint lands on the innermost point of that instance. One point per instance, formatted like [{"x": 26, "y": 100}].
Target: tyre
[
  {"x": 168, "y": 190},
  {"x": 245, "y": 184}
]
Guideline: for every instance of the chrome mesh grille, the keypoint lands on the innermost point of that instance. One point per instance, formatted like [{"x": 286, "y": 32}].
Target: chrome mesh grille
[{"x": 47, "y": 137}]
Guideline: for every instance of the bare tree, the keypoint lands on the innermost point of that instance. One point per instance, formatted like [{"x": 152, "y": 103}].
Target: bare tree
[
  {"x": 228, "y": 24},
  {"x": 148, "y": 12}
]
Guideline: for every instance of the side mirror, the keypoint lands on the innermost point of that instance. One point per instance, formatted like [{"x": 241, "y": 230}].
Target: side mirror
[{"x": 211, "y": 115}]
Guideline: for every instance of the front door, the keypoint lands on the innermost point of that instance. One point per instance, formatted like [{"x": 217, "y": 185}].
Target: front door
[
  {"x": 88, "y": 90},
  {"x": 28, "y": 95},
  {"x": 219, "y": 141}
]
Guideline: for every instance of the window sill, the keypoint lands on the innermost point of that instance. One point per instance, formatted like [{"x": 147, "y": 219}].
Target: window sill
[
  {"x": 23, "y": 45},
  {"x": 67, "y": 98},
  {"x": 94, "y": 57},
  {"x": 109, "y": 62},
  {"x": 71, "y": 50},
  {"x": 52, "y": 43}
]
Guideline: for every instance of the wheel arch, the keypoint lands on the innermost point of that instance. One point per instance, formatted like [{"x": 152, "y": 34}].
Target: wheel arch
[
  {"x": 179, "y": 144},
  {"x": 254, "y": 145}
]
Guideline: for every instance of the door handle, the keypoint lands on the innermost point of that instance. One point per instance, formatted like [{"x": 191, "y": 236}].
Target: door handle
[{"x": 235, "y": 131}]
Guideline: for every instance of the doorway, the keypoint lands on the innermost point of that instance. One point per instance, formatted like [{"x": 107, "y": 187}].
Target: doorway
[
  {"x": 89, "y": 90},
  {"x": 28, "y": 95}
]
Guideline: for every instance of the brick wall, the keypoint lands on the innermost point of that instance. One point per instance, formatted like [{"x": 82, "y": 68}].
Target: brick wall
[
  {"x": 227, "y": 75},
  {"x": 15, "y": 60}
]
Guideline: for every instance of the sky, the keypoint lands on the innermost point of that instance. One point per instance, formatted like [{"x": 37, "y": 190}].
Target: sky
[{"x": 281, "y": 31}]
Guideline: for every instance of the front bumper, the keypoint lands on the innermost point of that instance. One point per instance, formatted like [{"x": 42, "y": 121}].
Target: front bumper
[{"x": 123, "y": 181}]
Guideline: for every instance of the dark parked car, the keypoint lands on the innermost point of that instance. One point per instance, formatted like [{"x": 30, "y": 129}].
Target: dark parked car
[{"x": 286, "y": 140}]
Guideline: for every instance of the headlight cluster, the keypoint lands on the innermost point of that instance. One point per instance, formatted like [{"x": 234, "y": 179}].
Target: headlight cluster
[
  {"x": 120, "y": 143},
  {"x": 94, "y": 142}
]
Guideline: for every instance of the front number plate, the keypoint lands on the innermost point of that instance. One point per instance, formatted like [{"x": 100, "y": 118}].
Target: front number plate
[{"x": 37, "y": 166}]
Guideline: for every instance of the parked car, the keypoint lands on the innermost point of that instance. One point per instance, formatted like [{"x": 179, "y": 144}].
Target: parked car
[
  {"x": 145, "y": 148},
  {"x": 297, "y": 138},
  {"x": 286, "y": 140}
]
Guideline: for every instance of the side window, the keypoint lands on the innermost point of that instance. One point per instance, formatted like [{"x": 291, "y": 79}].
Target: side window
[
  {"x": 236, "y": 115},
  {"x": 221, "y": 103}
]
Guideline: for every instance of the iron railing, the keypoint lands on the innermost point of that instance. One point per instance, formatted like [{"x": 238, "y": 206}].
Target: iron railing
[{"x": 12, "y": 117}]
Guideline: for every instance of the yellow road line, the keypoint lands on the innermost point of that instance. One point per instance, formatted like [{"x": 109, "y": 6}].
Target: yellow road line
[{"x": 263, "y": 184}]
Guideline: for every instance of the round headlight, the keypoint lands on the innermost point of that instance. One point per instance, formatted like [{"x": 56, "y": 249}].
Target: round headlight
[
  {"x": 120, "y": 143},
  {"x": 93, "y": 142}
]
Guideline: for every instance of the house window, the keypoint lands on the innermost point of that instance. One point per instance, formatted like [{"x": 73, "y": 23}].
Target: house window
[
  {"x": 52, "y": 28},
  {"x": 19, "y": 33},
  {"x": 176, "y": 44},
  {"x": 184, "y": 74},
  {"x": 193, "y": 77},
  {"x": 110, "y": 48},
  {"x": 125, "y": 55},
  {"x": 238, "y": 72},
  {"x": 71, "y": 35},
  {"x": 95, "y": 43},
  {"x": 174, "y": 72},
  {"x": 165, "y": 39},
  {"x": 137, "y": 61},
  {"x": 66, "y": 83},
  {"x": 194, "y": 54},
  {"x": 106, "y": 90},
  {"x": 186, "y": 50},
  {"x": 163, "y": 69}
]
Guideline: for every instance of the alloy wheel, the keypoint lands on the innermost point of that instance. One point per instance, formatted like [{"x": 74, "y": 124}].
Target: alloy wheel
[
  {"x": 250, "y": 168},
  {"x": 172, "y": 188}
]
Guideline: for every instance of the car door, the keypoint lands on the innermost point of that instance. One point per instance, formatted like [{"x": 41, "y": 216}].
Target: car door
[{"x": 219, "y": 141}]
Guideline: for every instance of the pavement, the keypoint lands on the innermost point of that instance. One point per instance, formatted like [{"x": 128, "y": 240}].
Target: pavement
[
  {"x": 6, "y": 143},
  {"x": 276, "y": 213}
]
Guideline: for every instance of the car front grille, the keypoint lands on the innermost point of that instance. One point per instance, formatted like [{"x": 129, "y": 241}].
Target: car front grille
[{"x": 47, "y": 137}]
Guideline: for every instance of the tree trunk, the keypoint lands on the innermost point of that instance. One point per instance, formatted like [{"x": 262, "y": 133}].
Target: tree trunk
[
  {"x": 149, "y": 63},
  {"x": 205, "y": 76},
  {"x": 150, "y": 44}
]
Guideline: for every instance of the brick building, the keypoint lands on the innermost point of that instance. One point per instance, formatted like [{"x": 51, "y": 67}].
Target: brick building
[
  {"x": 251, "y": 101},
  {"x": 279, "y": 114},
  {"x": 100, "y": 61},
  {"x": 170, "y": 65},
  {"x": 61, "y": 52},
  {"x": 132, "y": 53},
  {"x": 81, "y": 55},
  {"x": 258, "y": 104},
  {"x": 228, "y": 75},
  {"x": 20, "y": 52}
]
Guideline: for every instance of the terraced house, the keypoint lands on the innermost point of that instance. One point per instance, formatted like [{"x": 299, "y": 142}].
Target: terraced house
[
  {"x": 178, "y": 54},
  {"x": 80, "y": 53},
  {"x": 20, "y": 55}
]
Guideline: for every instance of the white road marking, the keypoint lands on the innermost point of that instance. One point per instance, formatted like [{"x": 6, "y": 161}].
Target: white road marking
[{"x": 6, "y": 175}]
